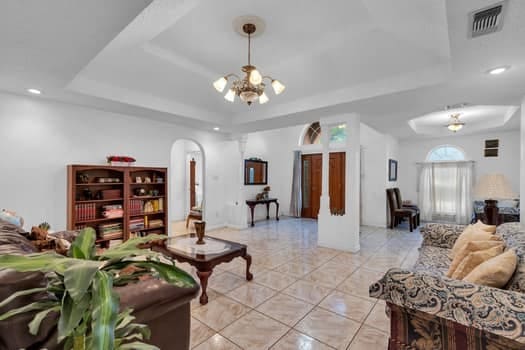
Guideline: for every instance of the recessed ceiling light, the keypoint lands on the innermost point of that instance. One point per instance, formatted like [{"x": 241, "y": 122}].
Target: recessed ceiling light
[
  {"x": 216, "y": 128},
  {"x": 498, "y": 70},
  {"x": 34, "y": 91}
]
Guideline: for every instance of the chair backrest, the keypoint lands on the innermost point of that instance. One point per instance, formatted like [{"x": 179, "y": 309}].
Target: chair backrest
[
  {"x": 398, "y": 199},
  {"x": 390, "y": 196}
]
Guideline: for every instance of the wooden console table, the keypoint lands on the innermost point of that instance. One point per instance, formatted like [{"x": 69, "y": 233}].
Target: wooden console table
[{"x": 253, "y": 203}]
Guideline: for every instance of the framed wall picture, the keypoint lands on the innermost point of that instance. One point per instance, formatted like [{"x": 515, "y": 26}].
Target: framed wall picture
[{"x": 392, "y": 170}]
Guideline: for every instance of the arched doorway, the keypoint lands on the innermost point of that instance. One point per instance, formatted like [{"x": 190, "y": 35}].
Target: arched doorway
[{"x": 187, "y": 187}]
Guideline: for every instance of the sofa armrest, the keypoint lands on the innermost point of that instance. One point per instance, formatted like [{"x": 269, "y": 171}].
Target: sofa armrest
[
  {"x": 492, "y": 310},
  {"x": 440, "y": 235},
  {"x": 155, "y": 295}
]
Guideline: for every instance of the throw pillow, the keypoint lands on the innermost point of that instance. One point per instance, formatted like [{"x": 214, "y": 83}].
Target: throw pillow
[
  {"x": 471, "y": 233},
  {"x": 468, "y": 248},
  {"x": 11, "y": 217},
  {"x": 482, "y": 226},
  {"x": 495, "y": 272},
  {"x": 473, "y": 259}
]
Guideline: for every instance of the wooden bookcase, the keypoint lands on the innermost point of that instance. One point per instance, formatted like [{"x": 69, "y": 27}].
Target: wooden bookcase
[{"x": 119, "y": 202}]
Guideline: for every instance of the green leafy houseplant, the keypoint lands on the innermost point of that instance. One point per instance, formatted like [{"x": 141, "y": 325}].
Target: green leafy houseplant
[{"x": 80, "y": 289}]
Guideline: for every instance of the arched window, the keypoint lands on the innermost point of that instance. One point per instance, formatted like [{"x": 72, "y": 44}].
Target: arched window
[
  {"x": 445, "y": 153},
  {"x": 312, "y": 135}
]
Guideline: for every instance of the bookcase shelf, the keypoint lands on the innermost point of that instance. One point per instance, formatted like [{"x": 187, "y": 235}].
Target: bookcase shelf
[{"x": 88, "y": 199}]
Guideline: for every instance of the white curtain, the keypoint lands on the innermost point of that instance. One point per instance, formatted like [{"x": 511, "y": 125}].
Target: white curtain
[
  {"x": 296, "y": 202},
  {"x": 445, "y": 191}
]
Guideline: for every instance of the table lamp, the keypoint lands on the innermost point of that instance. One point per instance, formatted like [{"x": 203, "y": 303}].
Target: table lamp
[{"x": 492, "y": 187}]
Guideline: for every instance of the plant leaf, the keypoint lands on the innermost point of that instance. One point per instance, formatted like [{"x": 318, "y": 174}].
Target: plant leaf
[
  {"x": 21, "y": 293},
  {"x": 78, "y": 277},
  {"x": 124, "y": 318},
  {"x": 137, "y": 346},
  {"x": 83, "y": 247},
  {"x": 71, "y": 315},
  {"x": 131, "y": 246},
  {"x": 37, "y": 305},
  {"x": 105, "y": 309},
  {"x": 169, "y": 273},
  {"x": 41, "y": 262},
  {"x": 34, "y": 325}
]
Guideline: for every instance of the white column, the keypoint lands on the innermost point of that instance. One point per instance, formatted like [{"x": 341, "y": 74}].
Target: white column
[
  {"x": 239, "y": 217},
  {"x": 324, "y": 206},
  {"x": 522, "y": 166},
  {"x": 353, "y": 179},
  {"x": 341, "y": 232}
]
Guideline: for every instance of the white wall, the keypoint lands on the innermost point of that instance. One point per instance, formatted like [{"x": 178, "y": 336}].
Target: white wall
[
  {"x": 473, "y": 145},
  {"x": 376, "y": 149},
  {"x": 522, "y": 165},
  {"x": 182, "y": 152},
  {"x": 38, "y": 138},
  {"x": 277, "y": 146}
]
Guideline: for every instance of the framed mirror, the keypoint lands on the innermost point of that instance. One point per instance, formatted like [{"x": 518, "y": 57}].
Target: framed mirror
[{"x": 255, "y": 172}]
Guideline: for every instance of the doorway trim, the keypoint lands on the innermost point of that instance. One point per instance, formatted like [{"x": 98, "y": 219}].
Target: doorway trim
[{"x": 171, "y": 173}]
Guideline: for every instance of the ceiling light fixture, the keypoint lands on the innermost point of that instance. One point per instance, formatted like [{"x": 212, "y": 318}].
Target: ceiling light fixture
[
  {"x": 34, "y": 91},
  {"x": 498, "y": 70},
  {"x": 216, "y": 128},
  {"x": 455, "y": 124},
  {"x": 251, "y": 87}
]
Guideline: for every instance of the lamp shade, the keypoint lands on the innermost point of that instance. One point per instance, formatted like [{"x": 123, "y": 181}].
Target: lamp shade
[
  {"x": 220, "y": 84},
  {"x": 277, "y": 86},
  {"x": 493, "y": 186}
]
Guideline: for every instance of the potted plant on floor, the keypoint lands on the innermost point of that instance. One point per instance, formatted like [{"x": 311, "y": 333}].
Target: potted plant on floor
[{"x": 80, "y": 290}]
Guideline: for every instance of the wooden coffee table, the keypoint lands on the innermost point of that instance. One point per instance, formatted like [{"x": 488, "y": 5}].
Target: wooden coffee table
[{"x": 181, "y": 249}]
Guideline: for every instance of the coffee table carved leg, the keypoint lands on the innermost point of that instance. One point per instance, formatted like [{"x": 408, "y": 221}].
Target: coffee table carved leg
[
  {"x": 203, "y": 276},
  {"x": 248, "y": 259},
  {"x": 277, "y": 211}
]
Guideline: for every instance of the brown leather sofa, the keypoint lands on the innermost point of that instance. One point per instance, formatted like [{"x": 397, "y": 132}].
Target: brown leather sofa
[{"x": 163, "y": 307}]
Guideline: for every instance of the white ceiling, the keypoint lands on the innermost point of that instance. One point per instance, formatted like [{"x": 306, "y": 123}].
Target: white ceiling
[
  {"x": 389, "y": 61},
  {"x": 476, "y": 119}
]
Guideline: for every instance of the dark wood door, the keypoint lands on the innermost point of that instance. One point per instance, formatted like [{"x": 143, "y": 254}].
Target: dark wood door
[
  {"x": 311, "y": 184},
  {"x": 336, "y": 182},
  {"x": 312, "y": 165},
  {"x": 192, "y": 183}
]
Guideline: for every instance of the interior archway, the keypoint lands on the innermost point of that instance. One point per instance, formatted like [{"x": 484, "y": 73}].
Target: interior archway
[{"x": 187, "y": 185}]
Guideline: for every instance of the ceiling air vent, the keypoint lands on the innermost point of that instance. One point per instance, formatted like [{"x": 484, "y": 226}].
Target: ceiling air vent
[{"x": 487, "y": 20}]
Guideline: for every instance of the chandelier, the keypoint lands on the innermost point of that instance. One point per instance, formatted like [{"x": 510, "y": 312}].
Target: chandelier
[
  {"x": 455, "y": 124},
  {"x": 251, "y": 87}
]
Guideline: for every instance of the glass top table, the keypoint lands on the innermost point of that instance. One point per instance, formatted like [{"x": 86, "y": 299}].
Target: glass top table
[{"x": 204, "y": 257}]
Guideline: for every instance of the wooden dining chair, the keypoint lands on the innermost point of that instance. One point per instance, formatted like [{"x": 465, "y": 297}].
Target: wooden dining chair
[{"x": 397, "y": 214}]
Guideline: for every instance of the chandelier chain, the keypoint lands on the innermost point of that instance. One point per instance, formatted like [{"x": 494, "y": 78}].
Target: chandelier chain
[{"x": 249, "y": 48}]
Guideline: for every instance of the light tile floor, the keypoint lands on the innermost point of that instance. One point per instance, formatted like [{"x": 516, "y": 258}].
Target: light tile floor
[{"x": 302, "y": 296}]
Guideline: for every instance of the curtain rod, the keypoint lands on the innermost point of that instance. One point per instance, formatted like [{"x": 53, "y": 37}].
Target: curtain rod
[{"x": 446, "y": 162}]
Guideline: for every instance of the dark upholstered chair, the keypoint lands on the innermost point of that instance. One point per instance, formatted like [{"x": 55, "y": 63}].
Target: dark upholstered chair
[
  {"x": 397, "y": 213},
  {"x": 406, "y": 206}
]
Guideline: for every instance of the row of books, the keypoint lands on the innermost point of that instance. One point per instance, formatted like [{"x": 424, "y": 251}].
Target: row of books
[
  {"x": 110, "y": 230},
  {"x": 85, "y": 211},
  {"x": 155, "y": 223},
  {"x": 112, "y": 211},
  {"x": 136, "y": 224},
  {"x": 140, "y": 206},
  {"x": 145, "y": 233}
]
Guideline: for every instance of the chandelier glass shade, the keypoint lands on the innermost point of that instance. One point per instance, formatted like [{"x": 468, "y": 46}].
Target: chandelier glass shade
[
  {"x": 250, "y": 88},
  {"x": 455, "y": 124}
]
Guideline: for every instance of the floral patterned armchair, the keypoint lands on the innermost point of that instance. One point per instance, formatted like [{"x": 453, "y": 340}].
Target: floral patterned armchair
[{"x": 429, "y": 311}]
